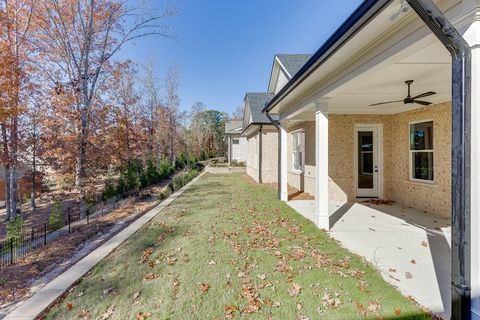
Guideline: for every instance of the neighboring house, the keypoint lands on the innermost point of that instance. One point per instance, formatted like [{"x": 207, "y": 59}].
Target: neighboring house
[
  {"x": 262, "y": 139},
  {"x": 261, "y": 133},
  {"x": 236, "y": 144},
  {"x": 350, "y": 130}
]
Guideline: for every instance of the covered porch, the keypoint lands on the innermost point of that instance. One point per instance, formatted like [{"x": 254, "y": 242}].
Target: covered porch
[
  {"x": 373, "y": 139},
  {"x": 410, "y": 249}
]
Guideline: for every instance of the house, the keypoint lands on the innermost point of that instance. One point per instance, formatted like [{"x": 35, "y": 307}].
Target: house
[
  {"x": 261, "y": 130},
  {"x": 388, "y": 108},
  {"x": 262, "y": 139},
  {"x": 236, "y": 144}
]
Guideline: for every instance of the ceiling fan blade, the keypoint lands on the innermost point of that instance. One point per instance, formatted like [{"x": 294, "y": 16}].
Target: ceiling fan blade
[
  {"x": 386, "y": 102},
  {"x": 425, "y": 103},
  {"x": 425, "y": 94}
]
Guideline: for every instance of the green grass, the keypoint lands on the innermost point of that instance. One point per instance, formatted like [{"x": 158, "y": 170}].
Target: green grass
[{"x": 250, "y": 250}]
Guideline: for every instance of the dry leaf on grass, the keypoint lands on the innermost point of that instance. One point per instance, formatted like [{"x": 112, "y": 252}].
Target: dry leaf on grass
[
  {"x": 397, "y": 311},
  {"x": 149, "y": 276},
  {"x": 69, "y": 306},
  {"x": 374, "y": 306},
  {"x": 204, "y": 287},
  {"x": 143, "y": 315},
  {"x": 294, "y": 289},
  {"x": 107, "y": 313},
  {"x": 361, "y": 309},
  {"x": 230, "y": 311}
]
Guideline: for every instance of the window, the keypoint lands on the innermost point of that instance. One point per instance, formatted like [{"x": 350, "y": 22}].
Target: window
[
  {"x": 421, "y": 151},
  {"x": 298, "y": 150},
  {"x": 235, "y": 141}
]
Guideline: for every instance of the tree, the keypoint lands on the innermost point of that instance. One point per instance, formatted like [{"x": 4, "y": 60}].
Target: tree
[
  {"x": 82, "y": 37},
  {"x": 172, "y": 104},
  {"x": 15, "y": 49},
  {"x": 237, "y": 114}
]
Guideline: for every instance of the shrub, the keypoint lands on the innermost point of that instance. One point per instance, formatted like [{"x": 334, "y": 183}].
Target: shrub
[
  {"x": 183, "y": 178},
  {"x": 15, "y": 228},
  {"x": 2, "y": 281},
  {"x": 152, "y": 174},
  {"x": 55, "y": 221},
  {"x": 121, "y": 186},
  {"x": 166, "y": 168},
  {"x": 165, "y": 193},
  {"x": 236, "y": 163},
  {"x": 109, "y": 190}
]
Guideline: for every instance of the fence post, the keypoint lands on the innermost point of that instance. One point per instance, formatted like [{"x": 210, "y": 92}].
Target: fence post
[
  {"x": 11, "y": 250},
  {"x": 45, "y": 234}
]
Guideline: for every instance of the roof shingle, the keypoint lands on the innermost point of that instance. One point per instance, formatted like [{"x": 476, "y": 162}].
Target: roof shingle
[
  {"x": 256, "y": 101},
  {"x": 293, "y": 62}
]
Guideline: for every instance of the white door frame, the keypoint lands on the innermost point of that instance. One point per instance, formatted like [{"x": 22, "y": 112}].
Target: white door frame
[{"x": 379, "y": 164}]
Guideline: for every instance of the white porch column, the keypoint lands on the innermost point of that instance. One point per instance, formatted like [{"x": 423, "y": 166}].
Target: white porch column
[
  {"x": 472, "y": 35},
  {"x": 321, "y": 163},
  {"x": 283, "y": 183},
  {"x": 229, "y": 156}
]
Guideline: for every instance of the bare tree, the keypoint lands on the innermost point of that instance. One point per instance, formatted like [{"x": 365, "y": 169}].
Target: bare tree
[{"x": 237, "y": 114}]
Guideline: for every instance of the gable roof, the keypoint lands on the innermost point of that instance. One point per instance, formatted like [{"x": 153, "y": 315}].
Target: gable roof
[
  {"x": 233, "y": 126},
  {"x": 292, "y": 63},
  {"x": 256, "y": 101}
]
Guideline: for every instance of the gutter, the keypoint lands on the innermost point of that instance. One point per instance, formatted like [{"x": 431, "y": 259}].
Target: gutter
[{"x": 461, "y": 145}]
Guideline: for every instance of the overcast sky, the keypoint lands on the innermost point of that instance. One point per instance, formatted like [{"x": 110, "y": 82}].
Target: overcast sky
[{"x": 225, "y": 48}]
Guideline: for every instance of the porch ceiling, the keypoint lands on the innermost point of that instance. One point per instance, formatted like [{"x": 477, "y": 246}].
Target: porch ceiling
[{"x": 429, "y": 67}]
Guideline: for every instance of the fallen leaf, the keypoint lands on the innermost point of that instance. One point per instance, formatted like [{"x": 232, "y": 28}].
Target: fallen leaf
[
  {"x": 397, "y": 311},
  {"x": 143, "y": 315},
  {"x": 294, "y": 289},
  {"x": 212, "y": 263},
  {"x": 374, "y": 306},
  {"x": 230, "y": 311},
  {"x": 84, "y": 314},
  {"x": 413, "y": 261},
  {"x": 424, "y": 243},
  {"x": 149, "y": 276},
  {"x": 136, "y": 295},
  {"x": 204, "y": 287},
  {"x": 262, "y": 276},
  {"x": 361, "y": 309},
  {"x": 107, "y": 291},
  {"x": 69, "y": 306},
  {"x": 408, "y": 275},
  {"x": 107, "y": 313}
]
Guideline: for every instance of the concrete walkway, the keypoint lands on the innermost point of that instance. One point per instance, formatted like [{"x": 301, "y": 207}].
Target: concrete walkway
[
  {"x": 44, "y": 298},
  {"x": 410, "y": 248}
]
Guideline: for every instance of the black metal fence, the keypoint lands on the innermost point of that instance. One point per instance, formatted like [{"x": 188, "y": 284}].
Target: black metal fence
[{"x": 15, "y": 248}]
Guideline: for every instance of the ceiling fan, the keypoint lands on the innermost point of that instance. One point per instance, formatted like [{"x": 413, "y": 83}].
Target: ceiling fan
[{"x": 409, "y": 99}]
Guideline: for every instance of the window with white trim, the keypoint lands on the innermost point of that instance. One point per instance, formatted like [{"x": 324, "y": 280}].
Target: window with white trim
[
  {"x": 298, "y": 150},
  {"x": 421, "y": 151},
  {"x": 235, "y": 141}
]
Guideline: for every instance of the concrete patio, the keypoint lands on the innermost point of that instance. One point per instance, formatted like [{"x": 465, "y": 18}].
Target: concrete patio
[{"x": 410, "y": 248}]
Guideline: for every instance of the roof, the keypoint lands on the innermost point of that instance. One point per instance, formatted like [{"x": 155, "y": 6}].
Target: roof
[
  {"x": 256, "y": 101},
  {"x": 233, "y": 126},
  {"x": 293, "y": 62},
  {"x": 355, "y": 22}
]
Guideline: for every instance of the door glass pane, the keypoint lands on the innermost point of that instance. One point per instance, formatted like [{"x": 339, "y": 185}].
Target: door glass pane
[{"x": 365, "y": 160}]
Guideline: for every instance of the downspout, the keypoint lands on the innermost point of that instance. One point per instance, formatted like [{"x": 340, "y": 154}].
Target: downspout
[
  {"x": 260, "y": 157},
  {"x": 275, "y": 123},
  {"x": 461, "y": 100}
]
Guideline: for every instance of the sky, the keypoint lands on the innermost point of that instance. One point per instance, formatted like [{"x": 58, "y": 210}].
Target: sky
[{"x": 225, "y": 48}]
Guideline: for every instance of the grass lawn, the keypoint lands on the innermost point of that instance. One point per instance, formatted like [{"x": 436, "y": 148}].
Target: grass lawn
[{"x": 229, "y": 249}]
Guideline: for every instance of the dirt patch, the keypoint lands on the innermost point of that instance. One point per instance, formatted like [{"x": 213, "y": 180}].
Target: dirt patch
[{"x": 19, "y": 277}]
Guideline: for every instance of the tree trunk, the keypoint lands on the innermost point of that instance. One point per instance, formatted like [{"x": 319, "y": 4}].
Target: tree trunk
[
  {"x": 34, "y": 168},
  {"x": 81, "y": 153},
  {"x": 13, "y": 177},
  {"x": 7, "y": 171}
]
